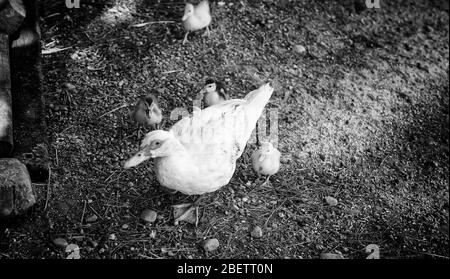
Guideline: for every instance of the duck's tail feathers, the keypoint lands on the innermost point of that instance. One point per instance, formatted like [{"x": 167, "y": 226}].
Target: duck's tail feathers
[
  {"x": 260, "y": 97},
  {"x": 257, "y": 100}
]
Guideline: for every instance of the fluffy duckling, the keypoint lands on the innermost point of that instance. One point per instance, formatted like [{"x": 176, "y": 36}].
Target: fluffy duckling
[
  {"x": 266, "y": 160},
  {"x": 213, "y": 93},
  {"x": 147, "y": 112},
  {"x": 196, "y": 18}
]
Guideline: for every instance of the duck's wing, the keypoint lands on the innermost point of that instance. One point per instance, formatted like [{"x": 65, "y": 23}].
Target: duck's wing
[
  {"x": 227, "y": 126},
  {"x": 202, "y": 10}
]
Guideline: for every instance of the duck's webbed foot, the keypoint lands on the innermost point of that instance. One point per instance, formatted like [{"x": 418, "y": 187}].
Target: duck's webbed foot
[
  {"x": 267, "y": 181},
  {"x": 185, "y": 38},
  {"x": 207, "y": 32}
]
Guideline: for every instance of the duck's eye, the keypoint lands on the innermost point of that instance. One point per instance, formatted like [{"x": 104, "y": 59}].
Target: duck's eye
[{"x": 156, "y": 144}]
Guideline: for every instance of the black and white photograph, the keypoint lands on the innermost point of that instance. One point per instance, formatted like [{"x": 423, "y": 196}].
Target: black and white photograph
[{"x": 215, "y": 130}]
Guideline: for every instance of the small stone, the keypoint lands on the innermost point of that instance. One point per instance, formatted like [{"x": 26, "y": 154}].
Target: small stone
[
  {"x": 331, "y": 201},
  {"x": 74, "y": 251},
  {"x": 153, "y": 234},
  {"x": 331, "y": 256},
  {"x": 93, "y": 243},
  {"x": 16, "y": 192},
  {"x": 112, "y": 237},
  {"x": 257, "y": 232},
  {"x": 211, "y": 244},
  {"x": 91, "y": 219},
  {"x": 60, "y": 242},
  {"x": 299, "y": 49},
  {"x": 221, "y": 3},
  {"x": 284, "y": 160},
  {"x": 125, "y": 226},
  {"x": 148, "y": 216},
  {"x": 69, "y": 86},
  {"x": 244, "y": 199}
]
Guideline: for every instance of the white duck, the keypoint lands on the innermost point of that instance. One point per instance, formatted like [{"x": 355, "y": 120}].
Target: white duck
[
  {"x": 196, "y": 18},
  {"x": 266, "y": 160},
  {"x": 198, "y": 154}
]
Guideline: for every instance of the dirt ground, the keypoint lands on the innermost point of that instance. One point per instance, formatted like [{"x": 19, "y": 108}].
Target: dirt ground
[{"x": 362, "y": 116}]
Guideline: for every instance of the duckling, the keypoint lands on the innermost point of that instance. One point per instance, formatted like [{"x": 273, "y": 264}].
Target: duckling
[
  {"x": 213, "y": 93},
  {"x": 147, "y": 112},
  {"x": 266, "y": 160},
  {"x": 196, "y": 18}
]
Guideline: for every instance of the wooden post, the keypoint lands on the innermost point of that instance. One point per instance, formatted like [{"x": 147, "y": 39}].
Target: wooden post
[
  {"x": 30, "y": 129},
  {"x": 12, "y": 13}
]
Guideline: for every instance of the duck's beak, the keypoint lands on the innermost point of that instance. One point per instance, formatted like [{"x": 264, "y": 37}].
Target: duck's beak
[
  {"x": 184, "y": 17},
  {"x": 136, "y": 160}
]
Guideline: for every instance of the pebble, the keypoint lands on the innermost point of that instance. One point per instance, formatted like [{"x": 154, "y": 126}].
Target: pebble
[
  {"x": 331, "y": 201},
  {"x": 153, "y": 234},
  {"x": 93, "y": 243},
  {"x": 256, "y": 232},
  {"x": 60, "y": 242},
  {"x": 331, "y": 256},
  {"x": 299, "y": 49},
  {"x": 125, "y": 226},
  {"x": 91, "y": 219},
  {"x": 221, "y": 3},
  {"x": 211, "y": 244},
  {"x": 74, "y": 251},
  {"x": 149, "y": 215},
  {"x": 69, "y": 86},
  {"x": 112, "y": 237}
]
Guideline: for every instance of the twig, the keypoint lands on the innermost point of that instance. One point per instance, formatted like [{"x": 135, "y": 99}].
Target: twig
[
  {"x": 48, "y": 187},
  {"x": 173, "y": 71},
  {"x": 84, "y": 211},
  {"x": 276, "y": 209},
  {"x": 54, "y": 50},
  {"x": 151, "y": 22},
  {"x": 113, "y": 110},
  {"x": 106, "y": 180},
  {"x": 56, "y": 156},
  {"x": 101, "y": 217}
]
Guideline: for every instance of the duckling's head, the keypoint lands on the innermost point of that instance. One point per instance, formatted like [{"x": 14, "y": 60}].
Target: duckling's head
[
  {"x": 155, "y": 144},
  {"x": 188, "y": 11},
  {"x": 214, "y": 86}
]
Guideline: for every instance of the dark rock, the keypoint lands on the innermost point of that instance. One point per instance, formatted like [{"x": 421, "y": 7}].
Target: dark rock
[{"x": 16, "y": 192}]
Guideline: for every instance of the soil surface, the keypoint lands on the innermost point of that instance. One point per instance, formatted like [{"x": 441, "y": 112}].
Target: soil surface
[{"x": 362, "y": 117}]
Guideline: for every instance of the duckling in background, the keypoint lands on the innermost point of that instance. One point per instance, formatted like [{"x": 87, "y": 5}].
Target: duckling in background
[
  {"x": 213, "y": 93},
  {"x": 196, "y": 18},
  {"x": 147, "y": 112},
  {"x": 266, "y": 160}
]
